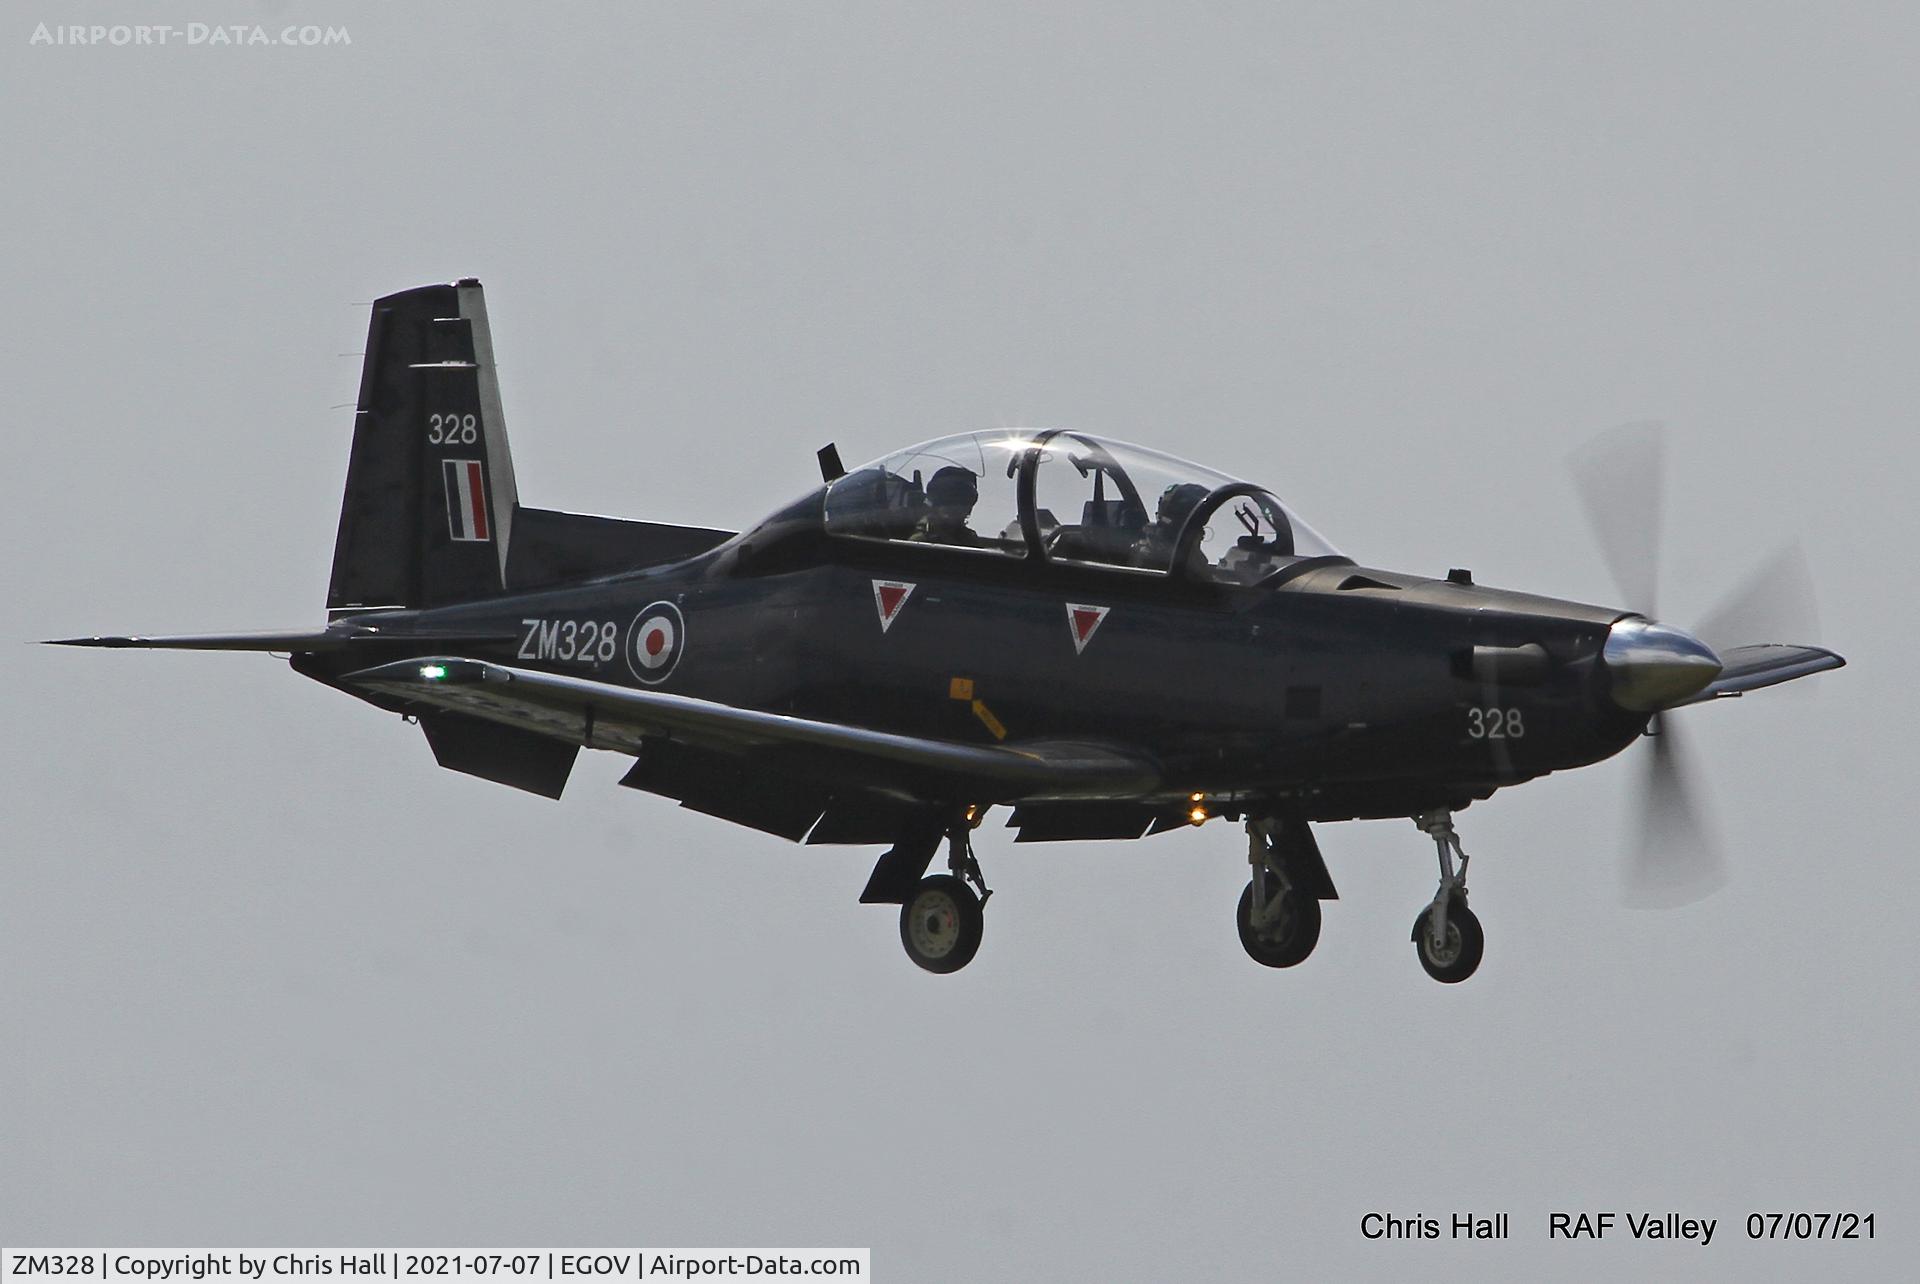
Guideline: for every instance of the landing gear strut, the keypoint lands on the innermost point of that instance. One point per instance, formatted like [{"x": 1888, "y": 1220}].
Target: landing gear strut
[
  {"x": 1447, "y": 936},
  {"x": 940, "y": 919},
  {"x": 1279, "y": 912}
]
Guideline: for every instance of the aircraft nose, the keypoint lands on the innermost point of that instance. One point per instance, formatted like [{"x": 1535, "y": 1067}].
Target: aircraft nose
[{"x": 1655, "y": 666}]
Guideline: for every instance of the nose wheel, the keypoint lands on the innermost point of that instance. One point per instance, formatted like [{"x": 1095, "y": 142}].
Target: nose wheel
[
  {"x": 1446, "y": 935},
  {"x": 1452, "y": 955}
]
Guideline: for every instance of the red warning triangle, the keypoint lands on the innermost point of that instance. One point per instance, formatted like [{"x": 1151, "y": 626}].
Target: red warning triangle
[
  {"x": 888, "y": 597},
  {"x": 1083, "y": 620}
]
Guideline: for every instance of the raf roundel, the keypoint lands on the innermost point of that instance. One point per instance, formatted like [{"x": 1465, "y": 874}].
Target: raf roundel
[{"x": 655, "y": 642}]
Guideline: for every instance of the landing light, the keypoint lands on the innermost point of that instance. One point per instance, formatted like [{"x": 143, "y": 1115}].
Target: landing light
[{"x": 1197, "y": 815}]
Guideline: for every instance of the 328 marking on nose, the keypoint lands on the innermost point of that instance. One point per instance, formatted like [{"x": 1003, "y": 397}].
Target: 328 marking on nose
[{"x": 1494, "y": 723}]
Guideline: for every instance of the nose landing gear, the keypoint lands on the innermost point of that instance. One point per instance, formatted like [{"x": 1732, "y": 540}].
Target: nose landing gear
[{"x": 1447, "y": 936}]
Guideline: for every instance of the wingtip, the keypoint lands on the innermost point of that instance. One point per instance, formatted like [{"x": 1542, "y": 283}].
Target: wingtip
[{"x": 1832, "y": 659}]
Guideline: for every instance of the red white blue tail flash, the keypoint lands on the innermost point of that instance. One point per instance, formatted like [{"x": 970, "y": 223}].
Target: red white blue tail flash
[{"x": 466, "y": 500}]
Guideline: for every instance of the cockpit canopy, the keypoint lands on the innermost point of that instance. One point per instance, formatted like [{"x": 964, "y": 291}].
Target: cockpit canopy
[{"x": 1067, "y": 497}]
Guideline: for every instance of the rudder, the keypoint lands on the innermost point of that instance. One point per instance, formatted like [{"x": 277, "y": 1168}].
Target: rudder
[{"x": 430, "y": 491}]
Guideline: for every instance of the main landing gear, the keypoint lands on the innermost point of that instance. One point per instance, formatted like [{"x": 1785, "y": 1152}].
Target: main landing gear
[
  {"x": 940, "y": 915},
  {"x": 1279, "y": 913},
  {"x": 941, "y": 923},
  {"x": 1447, "y": 936}
]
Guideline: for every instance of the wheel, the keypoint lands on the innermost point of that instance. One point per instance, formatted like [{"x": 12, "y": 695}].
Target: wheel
[
  {"x": 1455, "y": 959},
  {"x": 1289, "y": 937},
  {"x": 941, "y": 923}
]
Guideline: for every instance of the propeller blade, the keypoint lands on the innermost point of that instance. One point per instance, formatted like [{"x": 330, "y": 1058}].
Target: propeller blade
[
  {"x": 1621, "y": 477},
  {"x": 1774, "y": 604},
  {"x": 1678, "y": 860}
]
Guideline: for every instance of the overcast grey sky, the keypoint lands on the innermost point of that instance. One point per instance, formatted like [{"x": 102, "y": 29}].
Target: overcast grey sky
[{"x": 268, "y": 975}]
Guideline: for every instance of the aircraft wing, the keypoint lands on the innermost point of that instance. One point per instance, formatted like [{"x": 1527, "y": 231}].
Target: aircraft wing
[
  {"x": 1749, "y": 668},
  {"x": 602, "y": 715}
]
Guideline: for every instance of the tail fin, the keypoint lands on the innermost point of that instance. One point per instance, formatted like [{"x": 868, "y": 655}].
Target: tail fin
[{"x": 430, "y": 491}]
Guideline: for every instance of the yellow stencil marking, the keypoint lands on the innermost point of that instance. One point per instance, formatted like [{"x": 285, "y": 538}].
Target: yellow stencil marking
[
  {"x": 985, "y": 715},
  {"x": 962, "y": 689}
]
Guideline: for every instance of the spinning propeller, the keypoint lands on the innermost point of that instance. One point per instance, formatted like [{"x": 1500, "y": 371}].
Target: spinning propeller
[{"x": 1621, "y": 477}]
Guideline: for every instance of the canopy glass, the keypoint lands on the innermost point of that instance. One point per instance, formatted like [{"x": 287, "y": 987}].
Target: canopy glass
[{"x": 1069, "y": 497}]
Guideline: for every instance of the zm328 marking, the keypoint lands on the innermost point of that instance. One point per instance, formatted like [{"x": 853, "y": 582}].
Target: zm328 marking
[{"x": 580, "y": 641}]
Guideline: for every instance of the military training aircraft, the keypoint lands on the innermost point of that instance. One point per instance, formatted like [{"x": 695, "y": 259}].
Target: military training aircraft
[{"x": 1109, "y": 641}]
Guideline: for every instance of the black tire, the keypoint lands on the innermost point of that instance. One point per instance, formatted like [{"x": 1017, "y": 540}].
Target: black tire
[
  {"x": 1290, "y": 938},
  {"x": 1465, "y": 943},
  {"x": 941, "y": 924}
]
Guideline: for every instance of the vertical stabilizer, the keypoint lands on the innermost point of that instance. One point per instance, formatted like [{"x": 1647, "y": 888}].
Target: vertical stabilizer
[{"x": 430, "y": 491}]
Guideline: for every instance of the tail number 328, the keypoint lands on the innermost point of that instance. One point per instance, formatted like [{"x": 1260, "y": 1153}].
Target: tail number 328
[{"x": 1494, "y": 723}]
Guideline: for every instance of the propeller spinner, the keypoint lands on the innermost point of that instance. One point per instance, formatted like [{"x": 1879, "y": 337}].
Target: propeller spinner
[{"x": 1621, "y": 477}]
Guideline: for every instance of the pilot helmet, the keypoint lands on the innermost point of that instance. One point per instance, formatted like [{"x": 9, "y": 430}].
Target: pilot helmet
[
  {"x": 1178, "y": 500},
  {"x": 953, "y": 487}
]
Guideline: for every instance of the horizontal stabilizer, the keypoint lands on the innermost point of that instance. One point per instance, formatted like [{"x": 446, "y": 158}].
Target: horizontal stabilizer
[
  {"x": 1749, "y": 668},
  {"x": 304, "y": 641},
  {"x": 604, "y": 716}
]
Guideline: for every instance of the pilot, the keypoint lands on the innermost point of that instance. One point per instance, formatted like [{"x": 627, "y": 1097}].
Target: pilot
[
  {"x": 1155, "y": 546},
  {"x": 951, "y": 495}
]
